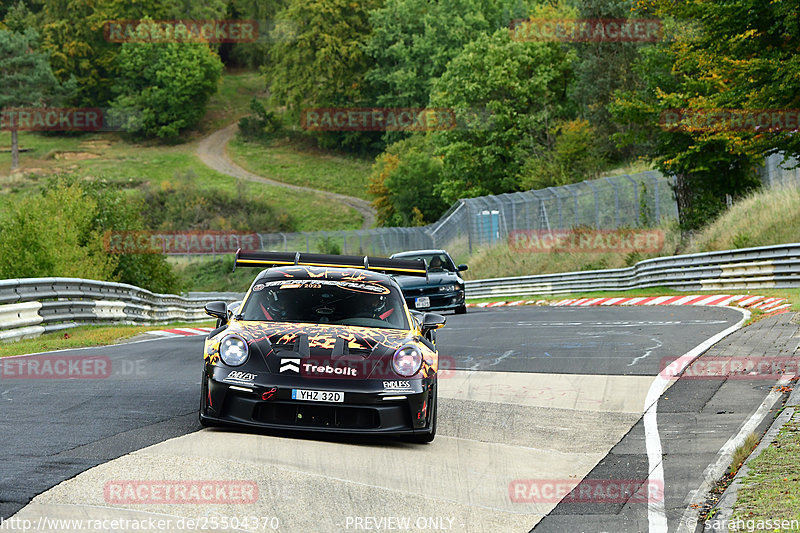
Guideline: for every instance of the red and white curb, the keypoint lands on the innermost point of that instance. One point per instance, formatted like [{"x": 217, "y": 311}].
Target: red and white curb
[
  {"x": 741, "y": 300},
  {"x": 180, "y": 332}
]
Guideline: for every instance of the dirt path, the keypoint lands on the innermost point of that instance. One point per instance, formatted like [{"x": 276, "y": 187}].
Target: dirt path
[{"x": 211, "y": 151}]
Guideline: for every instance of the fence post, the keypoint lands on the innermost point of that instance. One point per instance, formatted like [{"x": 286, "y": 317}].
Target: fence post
[
  {"x": 616, "y": 201},
  {"x": 596, "y": 204},
  {"x": 635, "y": 198},
  {"x": 657, "y": 199}
]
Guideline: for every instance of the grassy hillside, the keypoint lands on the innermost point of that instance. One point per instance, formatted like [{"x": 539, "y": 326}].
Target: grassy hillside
[
  {"x": 502, "y": 260},
  {"x": 764, "y": 218},
  {"x": 290, "y": 162},
  {"x": 136, "y": 166}
]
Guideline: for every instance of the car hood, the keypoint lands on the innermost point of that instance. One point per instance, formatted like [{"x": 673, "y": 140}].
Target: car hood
[
  {"x": 322, "y": 338},
  {"x": 434, "y": 278}
]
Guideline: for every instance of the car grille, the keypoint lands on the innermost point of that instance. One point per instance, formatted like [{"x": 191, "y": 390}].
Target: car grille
[{"x": 317, "y": 415}]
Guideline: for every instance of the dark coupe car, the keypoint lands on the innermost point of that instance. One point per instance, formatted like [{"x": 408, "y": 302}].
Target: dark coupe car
[
  {"x": 442, "y": 290},
  {"x": 323, "y": 343}
]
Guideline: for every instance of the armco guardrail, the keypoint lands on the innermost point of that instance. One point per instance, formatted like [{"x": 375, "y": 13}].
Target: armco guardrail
[
  {"x": 749, "y": 268},
  {"x": 32, "y": 306}
]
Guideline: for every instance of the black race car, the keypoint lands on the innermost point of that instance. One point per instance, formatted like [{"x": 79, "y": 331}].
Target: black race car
[
  {"x": 323, "y": 343},
  {"x": 442, "y": 290}
]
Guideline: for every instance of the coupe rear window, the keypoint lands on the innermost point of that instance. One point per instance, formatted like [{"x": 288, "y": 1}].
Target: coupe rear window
[{"x": 323, "y": 301}]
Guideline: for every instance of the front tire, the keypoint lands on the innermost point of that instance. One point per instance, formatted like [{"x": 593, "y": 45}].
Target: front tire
[
  {"x": 461, "y": 310},
  {"x": 425, "y": 438}
]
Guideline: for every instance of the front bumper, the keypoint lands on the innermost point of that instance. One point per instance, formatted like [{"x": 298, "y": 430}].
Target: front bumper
[
  {"x": 363, "y": 411},
  {"x": 438, "y": 301}
]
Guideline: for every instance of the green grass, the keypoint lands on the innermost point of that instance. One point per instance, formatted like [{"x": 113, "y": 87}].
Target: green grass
[
  {"x": 130, "y": 163},
  {"x": 763, "y": 218},
  {"x": 84, "y": 336},
  {"x": 289, "y": 162},
  {"x": 771, "y": 488},
  {"x": 232, "y": 100},
  {"x": 502, "y": 260},
  {"x": 211, "y": 275},
  {"x": 109, "y": 156}
]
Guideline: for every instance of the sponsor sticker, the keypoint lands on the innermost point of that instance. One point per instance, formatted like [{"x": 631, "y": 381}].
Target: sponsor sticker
[{"x": 244, "y": 378}]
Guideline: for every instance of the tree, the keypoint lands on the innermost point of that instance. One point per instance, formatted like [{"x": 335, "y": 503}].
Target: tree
[
  {"x": 517, "y": 90},
  {"x": 413, "y": 40},
  {"x": 25, "y": 80},
  {"x": 163, "y": 88},
  {"x": 718, "y": 56},
  {"x": 256, "y": 54},
  {"x": 318, "y": 60},
  {"x": 74, "y": 33},
  {"x": 603, "y": 68},
  {"x": 402, "y": 181}
]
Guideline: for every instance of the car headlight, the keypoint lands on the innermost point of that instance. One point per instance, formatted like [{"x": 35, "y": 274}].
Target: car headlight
[
  {"x": 448, "y": 288},
  {"x": 407, "y": 360},
  {"x": 233, "y": 350}
]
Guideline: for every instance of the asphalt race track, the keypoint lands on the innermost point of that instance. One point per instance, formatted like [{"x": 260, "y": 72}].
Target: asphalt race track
[{"x": 540, "y": 396}]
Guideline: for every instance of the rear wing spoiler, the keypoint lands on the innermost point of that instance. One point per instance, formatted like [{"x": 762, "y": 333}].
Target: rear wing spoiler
[{"x": 401, "y": 267}]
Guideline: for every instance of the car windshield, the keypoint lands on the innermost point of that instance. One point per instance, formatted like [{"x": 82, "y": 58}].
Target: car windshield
[
  {"x": 434, "y": 262},
  {"x": 325, "y": 301}
]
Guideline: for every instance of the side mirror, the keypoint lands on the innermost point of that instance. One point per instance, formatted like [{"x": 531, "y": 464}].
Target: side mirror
[
  {"x": 217, "y": 309},
  {"x": 462, "y": 268},
  {"x": 431, "y": 321}
]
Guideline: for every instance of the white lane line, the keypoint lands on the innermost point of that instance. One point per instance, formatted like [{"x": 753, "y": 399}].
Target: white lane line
[
  {"x": 714, "y": 471},
  {"x": 656, "y": 514}
]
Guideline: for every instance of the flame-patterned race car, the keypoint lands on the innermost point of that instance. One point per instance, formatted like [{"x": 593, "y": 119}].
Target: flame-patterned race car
[{"x": 323, "y": 343}]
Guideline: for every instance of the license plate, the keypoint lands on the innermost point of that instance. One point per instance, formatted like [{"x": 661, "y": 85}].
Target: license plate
[
  {"x": 317, "y": 396},
  {"x": 422, "y": 301}
]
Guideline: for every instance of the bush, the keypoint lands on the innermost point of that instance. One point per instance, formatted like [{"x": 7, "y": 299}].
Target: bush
[
  {"x": 261, "y": 125},
  {"x": 574, "y": 157},
  {"x": 54, "y": 234},
  {"x": 180, "y": 206},
  {"x": 163, "y": 88},
  {"x": 403, "y": 181}
]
